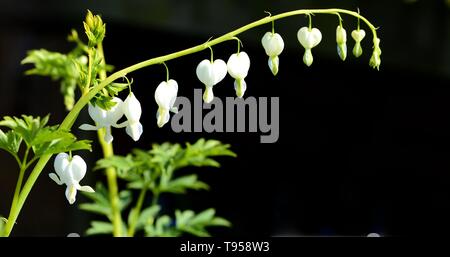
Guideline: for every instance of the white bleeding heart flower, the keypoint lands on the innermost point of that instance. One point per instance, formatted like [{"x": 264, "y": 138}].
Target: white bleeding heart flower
[
  {"x": 358, "y": 35},
  {"x": 375, "y": 60},
  {"x": 70, "y": 171},
  {"x": 273, "y": 46},
  {"x": 309, "y": 38},
  {"x": 105, "y": 118},
  {"x": 133, "y": 111},
  {"x": 341, "y": 40},
  {"x": 165, "y": 96},
  {"x": 211, "y": 73},
  {"x": 238, "y": 65}
]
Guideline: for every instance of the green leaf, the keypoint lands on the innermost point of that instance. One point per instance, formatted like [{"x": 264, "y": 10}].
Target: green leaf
[
  {"x": 195, "y": 224},
  {"x": 181, "y": 184},
  {"x": 147, "y": 216},
  {"x": 28, "y": 127},
  {"x": 52, "y": 141},
  {"x": 100, "y": 198},
  {"x": 57, "y": 66},
  {"x": 96, "y": 208},
  {"x": 199, "y": 153},
  {"x": 100, "y": 227},
  {"x": 10, "y": 141}
]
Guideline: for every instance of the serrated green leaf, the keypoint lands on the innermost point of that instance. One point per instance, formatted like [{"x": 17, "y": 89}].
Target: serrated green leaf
[
  {"x": 27, "y": 127},
  {"x": 181, "y": 184},
  {"x": 57, "y": 66},
  {"x": 203, "y": 217},
  {"x": 147, "y": 216},
  {"x": 218, "y": 221},
  {"x": 10, "y": 141},
  {"x": 100, "y": 227},
  {"x": 195, "y": 224},
  {"x": 96, "y": 208}
]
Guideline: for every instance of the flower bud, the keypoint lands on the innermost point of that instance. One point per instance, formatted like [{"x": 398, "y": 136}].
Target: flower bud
[
  {"x": 375, "y": 60},
  {"x": 341, "y": 40}
]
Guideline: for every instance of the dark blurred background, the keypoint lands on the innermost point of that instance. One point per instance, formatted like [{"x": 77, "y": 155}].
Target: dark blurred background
[{"x": 360, "y": 151}]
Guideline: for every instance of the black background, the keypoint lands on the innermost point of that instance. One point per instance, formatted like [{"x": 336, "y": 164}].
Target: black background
[{"x": 360, "y": 151}]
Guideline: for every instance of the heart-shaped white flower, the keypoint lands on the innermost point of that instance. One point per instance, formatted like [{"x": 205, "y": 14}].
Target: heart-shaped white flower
[
  {"x": 309, "y": 38},
  {"x": 105, "y": 118},
  {"x": 273, "y": 43},
  {"x": 211, "y": 73},
  {"x": 358, "y": 35},
  {"x": 238, "y": 65},
  {"x": 133, "y": 111},
  {"x": 165, "y": 96},
  {"x": 273, "y": 46},
  {"x": 70, "y": 172}
]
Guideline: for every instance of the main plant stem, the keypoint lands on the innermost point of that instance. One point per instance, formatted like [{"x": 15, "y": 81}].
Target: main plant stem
[
  {"x": 73, "y": 114},
  {"x": 111, "y": 175}
]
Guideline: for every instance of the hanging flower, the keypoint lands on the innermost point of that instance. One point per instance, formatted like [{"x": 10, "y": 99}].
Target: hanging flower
[
  {"x": 358, "y": 35},
  {"x": 375, "y": 60},
  {"x": 309, "y": 38},
  {"x": 70, "y": 171},
  {"x": 341, "y": 40},
  {"x": 238, "y": 65},
  {"x": 105, "y": 118},
  {"x": 273, "y": 45},
  {"x": 132, "y": 110},
  {"x": 165, "y": 96},
  {"x": 210, "y": 73}
]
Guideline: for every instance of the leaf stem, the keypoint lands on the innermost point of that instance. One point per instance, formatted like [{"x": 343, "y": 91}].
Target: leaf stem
[{"x": 137, "y": 211}]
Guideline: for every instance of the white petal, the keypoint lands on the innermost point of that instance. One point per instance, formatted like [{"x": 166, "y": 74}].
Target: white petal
[
  {"x": 78, "y": 168},
  {"x": 341, "y": 35},
  {"x": 132, "y": 108},
  {"x": 240, "y": 86},
  {"x": 162, "y": 117},
  {"x": 358, "y": 35},
  {"x": 274, "y": 64},
  {"x": 71, "y": 193},
  {"x": 208, "y": 95},
  {"x": 88, "y": 127},
  {"x": 205, "y": 72},
  {"x": 238, "y": 65},
  {"x": 308, "y": 57},
  {"x": 60, "y": 164},
  {"x": 115, "y": 113},
  {"x": 273, "y": 43},
  {"x": 55, "y": 178},
  {"x": 309, "y": 38},
  {"x": 86, "y": 189},
  {"x": 134, "y": 130},
  {"x": 219, "y": 70},
  {"x": 166, "y": 93},
  {"x": 97, "y": 114}
]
